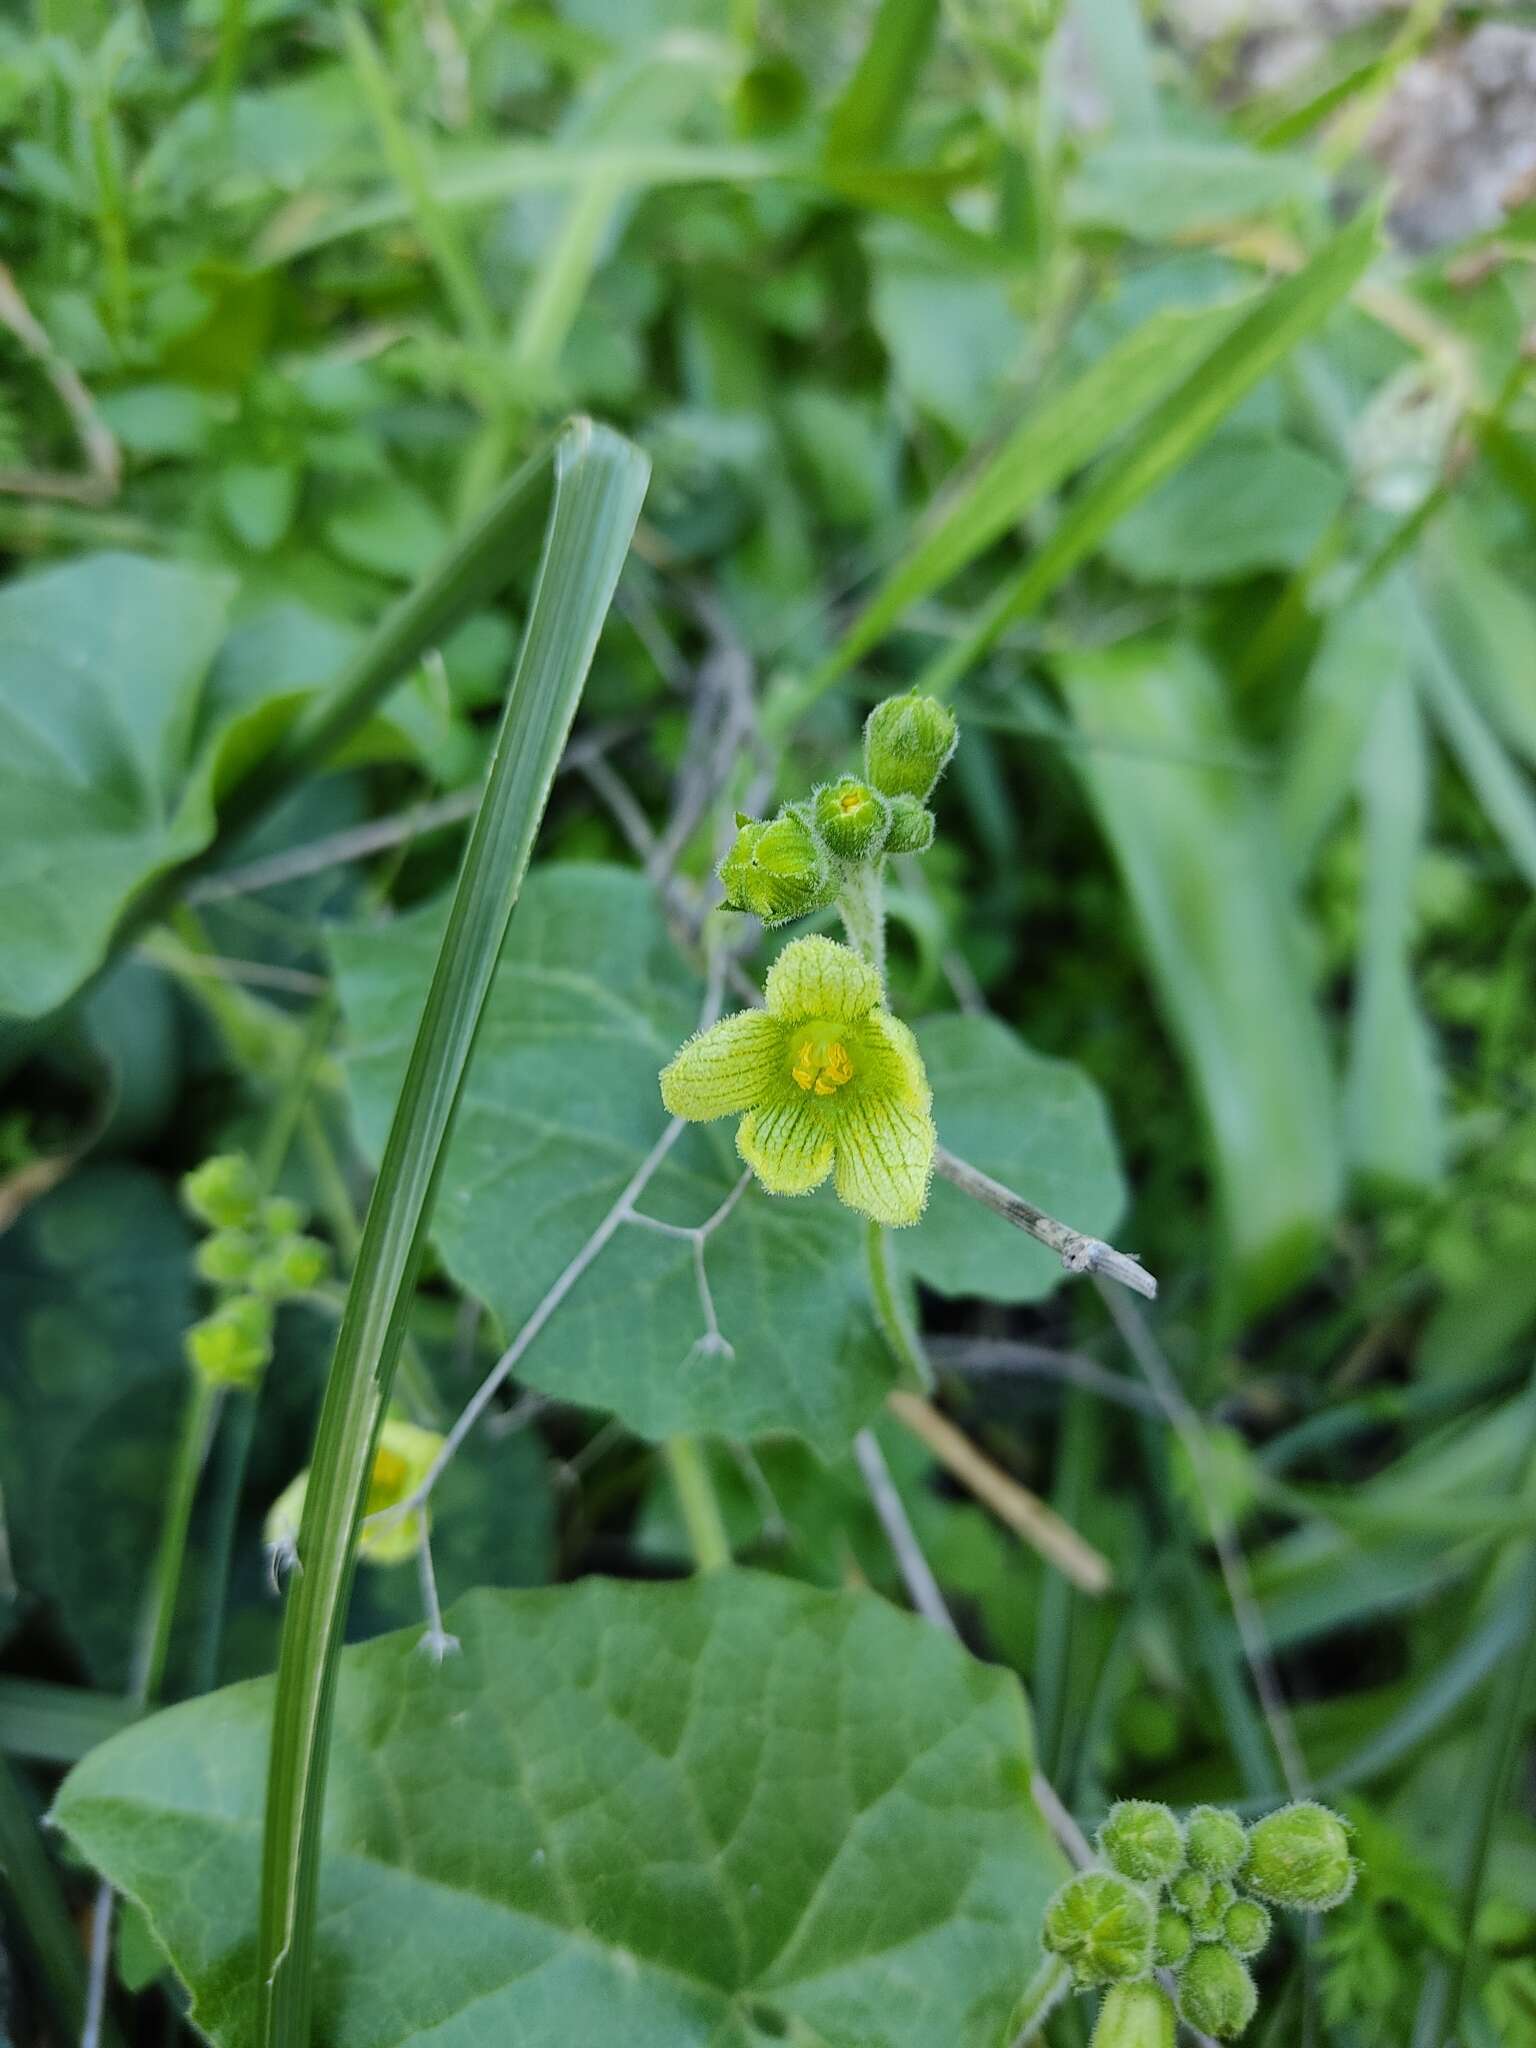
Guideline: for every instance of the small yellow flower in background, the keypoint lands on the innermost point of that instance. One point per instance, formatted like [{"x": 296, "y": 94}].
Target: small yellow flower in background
[
  {"x": 824, "y": 1074},
  {"x": 402, "y": 1461}
]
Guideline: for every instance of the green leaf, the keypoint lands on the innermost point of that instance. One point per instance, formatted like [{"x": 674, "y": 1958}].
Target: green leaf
[
  {"x": 1159, "y": 188},
  {"x": 953, "y": 334},
  {"x": 561, "y": 1106},
  {"x": 1260, "y": 341},
  {"x": 1505, "y": 793},
  {"x": 1363, "y": 649},
  {"x": 387, "y": 527},
  {"x": 1487, "y": 624},
  {"x": 1392, "y": 1099},
  {"x": 1200, "y": 857},
  {"x": 719, "y": 1813},
  {"x": 867, "y": 115},
  {"x": 1037, "y": 1125},
  {"x": 1242, "y": 504},
  {"x": 101, "y": 668},
  {"x": 95, "y": 1292},
  {"x": 258, "y": 500}
]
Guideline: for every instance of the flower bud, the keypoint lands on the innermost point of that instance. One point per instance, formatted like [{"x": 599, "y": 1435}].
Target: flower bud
[
  {"x": 222, "y": 1192},
  {"x": 1174, "y": 1939},
  {"x": 226, "y": 1258},
  {"x": 853, "y": 821},
  {"x": 1246, "y": 1928},
  {"x": 281, "y": 1216},
  {"x": 292, "y": 1266},
  {"x": 1300, "y": 1857},
  {"x": 1216, "y": 1841},
  {"x": 911, "y": 826},
  {"x": 1142, "y": 1839},
  {"x": 1216, "y": 1993},
  {"x": 231, "y": 1347},
  {"x": 907, "y": 744},
  {"x": 1134, "y": 2016},
  {"x": 779, "y": 869},
  {"x": 1101, "y": 1925}
]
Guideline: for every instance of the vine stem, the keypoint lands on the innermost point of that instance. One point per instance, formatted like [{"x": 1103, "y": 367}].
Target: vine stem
[
  {"x": 697, "y": 1498},
  {"x": 197, "y": 1424}
]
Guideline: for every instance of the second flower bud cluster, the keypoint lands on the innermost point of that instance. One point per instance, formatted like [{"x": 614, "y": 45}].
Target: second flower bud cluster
[
  {"x": 256, "y": 1256},
  {"x": 797, "y": 862},
  {"x": 1194, "y": 1899}
]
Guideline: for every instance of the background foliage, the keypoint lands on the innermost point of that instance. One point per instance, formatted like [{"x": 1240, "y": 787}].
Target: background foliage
[{"x": 1050, "y": 354}]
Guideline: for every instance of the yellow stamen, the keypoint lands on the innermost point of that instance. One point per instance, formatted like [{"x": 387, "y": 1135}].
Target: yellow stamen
[
  {"x": 850, "y": 800},
  {"x": 822, "y": 1068}
]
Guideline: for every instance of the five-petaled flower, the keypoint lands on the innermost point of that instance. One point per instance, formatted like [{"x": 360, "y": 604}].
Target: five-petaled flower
[{"x": 823, "y": 1073}]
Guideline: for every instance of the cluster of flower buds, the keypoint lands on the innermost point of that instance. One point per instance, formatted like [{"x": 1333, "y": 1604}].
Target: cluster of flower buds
[
  {"x": 1192, "y": 1898},
  {"x": 795, "y": 863},
  {"x": 256, "y": 1255}
]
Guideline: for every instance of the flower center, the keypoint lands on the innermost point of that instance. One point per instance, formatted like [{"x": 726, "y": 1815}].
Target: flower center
[
  {"x": 821, "y": 1063},
  {"x": 851, "y": 800}
]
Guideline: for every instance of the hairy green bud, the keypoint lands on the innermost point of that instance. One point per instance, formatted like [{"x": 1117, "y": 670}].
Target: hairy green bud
[
  {"x": 1190, "y": 1891},
  {"x": 853, "y": 821},
  {"x": 226, "y": 1258},
  {"x": 1101, "y": 1925},
  {"x": 292, "y": 1266},
  {"x": 1174, "y": 1939},
  {"x": 1142, "y": 1840},
  {"x": 222, "y": 1192},
  {"x": 1300, "y": 1857},
  {"x": 1134, "y": 2016},
  {"x": 1216, "y": 1841},
  {"x": 281, "y": 1216},
  {"x": 1216, "y": 1993},
  {"x": 911, "y": 826},
  {"x": 231, "y": 1347},
  {"x": 1209, "y": 1923},
  {"x": 1246, "y": 1928},
  {"x": 778, "y": 870},
  {"x": 907, "y": 744}
]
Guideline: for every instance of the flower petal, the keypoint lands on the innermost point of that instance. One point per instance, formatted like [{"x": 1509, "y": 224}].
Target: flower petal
[
  {"x": 817, "y": 977},
  {"x": 788, "y": 1145},
  {"x": 892, "y": 1063},
  {"x": 730, "y": 1067},
  {"x": 885, "y": 1156}
]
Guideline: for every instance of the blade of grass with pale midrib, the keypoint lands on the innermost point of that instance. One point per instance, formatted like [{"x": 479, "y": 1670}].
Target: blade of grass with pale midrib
[
  {"x": 599, "y": 484},
  {"x": 1170, "y": 433}
]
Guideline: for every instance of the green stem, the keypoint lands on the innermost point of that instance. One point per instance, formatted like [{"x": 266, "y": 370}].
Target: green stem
[
  {"x": 891, "y": 1310},
  {"x": 1044, "y": 1992},
  {"x": 700, "y": 1505},
  {"x": 197, "y": 1423}
]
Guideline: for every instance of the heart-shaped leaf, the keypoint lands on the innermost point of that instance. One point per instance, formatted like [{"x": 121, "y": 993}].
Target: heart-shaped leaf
[
  {"x": 723, "y": 1812},
  {"x": 560, "y": 1109}
]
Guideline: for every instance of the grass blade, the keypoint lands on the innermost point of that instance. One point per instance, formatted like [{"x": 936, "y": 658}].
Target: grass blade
[
  {"x": 1200, "y": 857},
  {"x": 42, "y": 1911},
  {"x": 57, "y": 1724},
  {"x": 599, "y": 484},
  {"x": 1058, "y": 436},
  {"x": 1243, "y": 358}
]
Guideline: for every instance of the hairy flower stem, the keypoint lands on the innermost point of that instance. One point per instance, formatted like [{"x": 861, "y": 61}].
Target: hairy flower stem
[
  {"x": 861, "y": 905},
  {"x": 1043, "y": 1993}
]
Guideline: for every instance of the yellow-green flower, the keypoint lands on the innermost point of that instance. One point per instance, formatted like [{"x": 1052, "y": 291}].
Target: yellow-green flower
[
  {"x": 402, "y": 1461},
  {"x": 823, "y": 1074}
]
